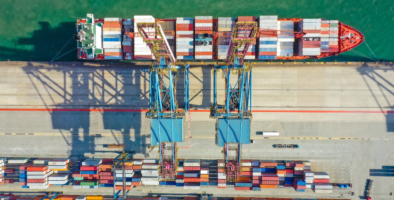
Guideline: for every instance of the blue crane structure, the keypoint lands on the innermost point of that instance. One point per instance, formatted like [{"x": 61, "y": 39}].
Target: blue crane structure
[
  {"x": 166, "y": 116},
  {"x": 234, "y": 118}
]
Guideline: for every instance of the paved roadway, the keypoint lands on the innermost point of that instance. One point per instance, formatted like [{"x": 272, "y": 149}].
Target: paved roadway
[{"x": 342, "y": 116}]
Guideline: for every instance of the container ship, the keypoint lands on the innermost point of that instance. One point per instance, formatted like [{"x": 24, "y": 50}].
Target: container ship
[{"x": 205, "y": 38}]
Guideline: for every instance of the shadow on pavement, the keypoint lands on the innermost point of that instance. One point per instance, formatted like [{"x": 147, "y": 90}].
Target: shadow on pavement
[{"x": 76, "y": 90}]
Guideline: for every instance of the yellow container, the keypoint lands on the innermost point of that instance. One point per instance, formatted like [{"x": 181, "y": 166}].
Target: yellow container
[{"x": 94, "y": 197}]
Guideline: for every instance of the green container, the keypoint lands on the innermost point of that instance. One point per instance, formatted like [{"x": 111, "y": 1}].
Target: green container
[
  {"x": 78, "y": 178},
  {"x": 90, "y": 183},
  {"x": 333, "y": 25}
]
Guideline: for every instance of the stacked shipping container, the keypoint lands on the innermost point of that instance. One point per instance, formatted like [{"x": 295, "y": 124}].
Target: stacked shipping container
[
  {"x": 225, "y": 28},
  {"x": 285, "y": 38},
  {"x": 329, "y": 36},
  {"x": 37, "y": 176},
  {"x": 268, "y": 40},
  {"x": 2, "y": 167},
  {"x": 112, "y": 38},
  {"x": 150, "y": 172},
  {"x": 168, "y": 26},
  {"x": 127, "y": 43},
  {"x": 251, "y": 52},
  {"x": 310, "y": 43},
  {"x": 191, "y": 174},
  {"x": 128, "y": 176},
  {"x": 203, "y": 37},
  {"x": 222, "y": 178},
  {"x": 141, "y": 49},
  {"x": 179, "y": 182},
  {"x": 184, "y": 38},
  {"x": 59, "y": 165},
  {"x": 106, "y": 175},
  {"x": 89, "y": 172}
]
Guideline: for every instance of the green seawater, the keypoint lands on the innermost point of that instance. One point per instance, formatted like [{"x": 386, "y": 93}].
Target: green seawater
[{"x": 37, "y": 29}]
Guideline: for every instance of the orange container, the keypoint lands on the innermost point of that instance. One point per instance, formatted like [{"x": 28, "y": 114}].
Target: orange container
[
  {"x": 189, "y": 179},
  {"x": 220, "y": 170},
  {"x": 243, "y": 179},
  {"x": 137, "y": 166},
  {"x": 246, "y": 169},
  {"x": 112, "y": 26},
  {"x": 184, "y": 53},
  {"x": 281, "y": 171},
  {"x": 267, "y": 186},
  {"x": 105, "y": 167},
  {"x": 128, "y": 164},
  {"x": 37, "y": 168},
  {"x": 136, "y": 183},
  {"x": 68, "y": 197},
  {"x": 198, "y": 21},
  {"x": 203, "y": 53},
  {"x": 112, "y": 29},
  {"x": 204, "y": 179},
  {"x": 112, "y": 22},
  {"x": 113, "y": 53},
  {"x": 204, "y": 175}
]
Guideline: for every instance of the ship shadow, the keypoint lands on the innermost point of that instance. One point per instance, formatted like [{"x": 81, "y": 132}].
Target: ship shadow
[{"x": 45, "y": 43}]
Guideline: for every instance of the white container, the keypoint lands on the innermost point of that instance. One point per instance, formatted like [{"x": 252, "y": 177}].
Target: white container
[
  {"x": 267, "y": 133},
  {"x": 150, "y": 161},
  {"x": 246, "y": 164},
  {"x": 256, "y": 174},
  {"x": 150, "y": 166},
  {"x": 57, "y": 166},
  {"x": 112, "y": 19},
  {"x": 112, "y": 50},
  {"x": 126, "y": 175},
  {"x": 147, "y": 179},
  {"x": 92, "y": 162},
  {"x": 221, "y": 184},
  {"x": 204, "y": 171},
  {"x": 121, "y": 183},
  {"x": 150, "y": 182},
  {"x": 36, "y": 172},
  {"x": 58, "y": 177},
  {"x": 179, "y": 181},
  {"x": 119, "y": 171},
  {"x": 323, "y": 186},
  {"x": 146, "y": 172},
  {"x": 18, "y": 160}
]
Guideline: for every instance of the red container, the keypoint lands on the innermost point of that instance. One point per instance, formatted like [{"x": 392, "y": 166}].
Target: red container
[
  {"x": 267, "y": 53},
  {"x": 256, "y": 181},
  {"x": 289, "y": 171},
  {"x": 89, "y": 168},
  {"x": 120, "y": 187},
  {"x": 256, "y": 177},
  {"x": 321, "y": 181},
  {"x": 298, "y": 172},
  {"x": 220, "y": 170},
  {"x": 203, "y": 28},
  {"x": 9, "y": 171},
  {"x": 246, "y": 18},
  {"x": 37, "y": 168},
  {"x": 191, "y": 168},
  {"x": 243, "y": 188},
  {"x": 191, "y": 180},
  {"x": 77, "y": 174},
  {"x": 200, "y": 21},
  {"x": 107, "y": 177},
  {"x": 136, "y": 183},
  {"x": 9, "y": 181},
  {"x": 137, "y": 166},
  {"x": 270, "y": 182},
  {"x": 106, "y": 173},
  {"x": 302, "y": 187},
  {"x": 106, "y": 181},
  {"x": 222, "y": 181},
  {"x": 268, "y": 164},
  {"x": 270, "y": 178}
]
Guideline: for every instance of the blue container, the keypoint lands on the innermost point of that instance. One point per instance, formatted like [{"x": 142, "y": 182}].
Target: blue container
[
  {"x": 267, "y": 49},
  {"x": 301, "y": 182},
  {"x": 256, "y": 189},
  {"x": 188, "y": 57},
  {"x": 179, "y": 184},
  {"x": 268, "y": 42},
  {"x": 22, "y": 171},
  {"x": 212, "y": 183},
  {"x": 325, "y": 43},
  {"x": 289, "y": 182},
  {"x": 22, "y": 180},
  {"x": 111, "y": 40},
  {"x": 127, "y": 179},
  {"x": 204, "y": 183},
  {"x": 341, "y": 186},
  {"x": 22, "y": 175},
  {"x": 255, "y": 163},
  {"x": 88, "y": 172},
  {"x": 136, "y": 179},
  {"x": 107, "y": 185},
  {"x": 347, "y": 186},
  {"x": 243, "y": 184},
  {"x": 256, "y": 169},
  {"x": 289, "y": 179},
  {"x": 267, "y": 57},
  {"x": 162, "y": 183},
  {"x": 25, "y": 186},
  {"x": 280, "y": 167}
]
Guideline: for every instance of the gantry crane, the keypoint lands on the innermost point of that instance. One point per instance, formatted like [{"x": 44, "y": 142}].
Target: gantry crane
[
  {"x": 166, "y": 116},
  {"x": 233, "y": 119}
]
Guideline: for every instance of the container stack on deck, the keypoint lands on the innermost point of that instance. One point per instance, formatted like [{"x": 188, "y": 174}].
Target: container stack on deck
[
  {"x": 222, "y": 178},
  {"x": 203, "y": 37},
  {"x": 2, "y": 167},
  {"x": 251, "y": 52},
  {"x": 141, "y": 49},
  {"x": 112, "y": 39},
  {"x": 150, "y": 172},
  {"x": 310, "y": 44},
  {"x": 128, "y": 176},
  {"x": 59, "y": 165},
  {"x": 184, "y": 38},
  {"x": 105, "y": 173},
  {"x": 127, "y": 43},
  {"x": 225, "y": 28},
  {"x": 191, "y": 174},
  {"x": 334, "y": 34},
  {"x": 204, "y": 174},
  {"x": 268, "y": 42},
  {"x": 321, "y": 182},
  {"x": 285, "y": 38},
  {"x": 16, "y": 170}
]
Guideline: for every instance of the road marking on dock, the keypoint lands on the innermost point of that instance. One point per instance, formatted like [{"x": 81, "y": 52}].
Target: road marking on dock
[{"x": 98, "y": 135}]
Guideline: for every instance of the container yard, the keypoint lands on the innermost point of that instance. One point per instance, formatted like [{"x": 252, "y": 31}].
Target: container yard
[{"x": 201, "y": 111}]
